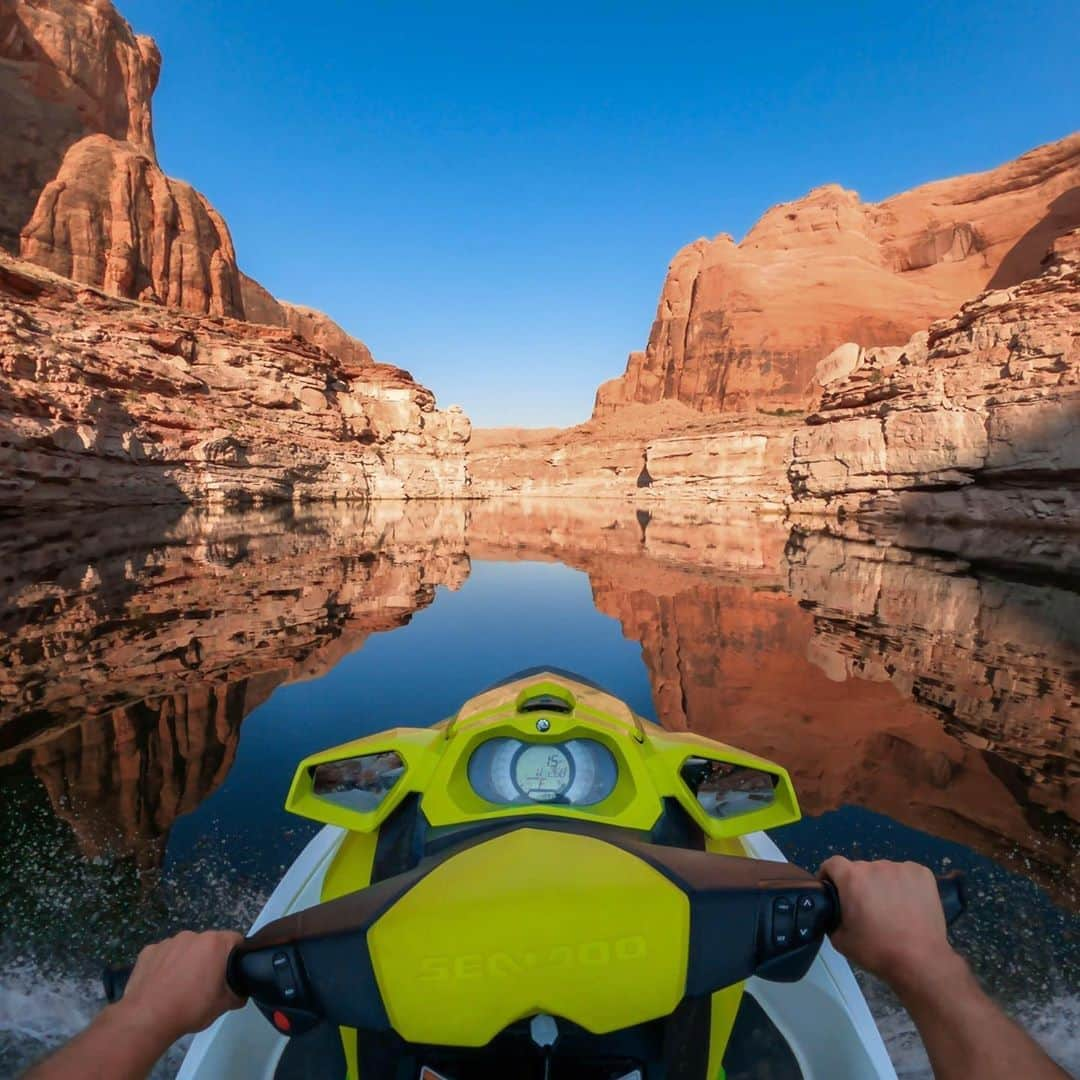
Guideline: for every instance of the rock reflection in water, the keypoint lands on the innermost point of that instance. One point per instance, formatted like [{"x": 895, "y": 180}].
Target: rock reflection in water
[
  {"x": 883, "y": 676},
  {"x": 132, "y": 649},
  {"x": 879, "y": 675}
]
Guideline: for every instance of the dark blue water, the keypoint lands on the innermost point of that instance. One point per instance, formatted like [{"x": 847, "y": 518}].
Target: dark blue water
[{"x": 96, "y": 857}]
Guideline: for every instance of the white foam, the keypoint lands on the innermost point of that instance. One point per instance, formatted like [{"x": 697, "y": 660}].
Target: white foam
[
  {"x": 39, "y": 1013},
  {"x": 1054, "y": 1024}
]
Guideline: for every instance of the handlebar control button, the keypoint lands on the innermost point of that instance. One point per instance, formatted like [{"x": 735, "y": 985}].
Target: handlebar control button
[
  {"x": 783, "y": 922},
  {"x": 283, "y": 976},
  {"x": 805, "y": 917}
]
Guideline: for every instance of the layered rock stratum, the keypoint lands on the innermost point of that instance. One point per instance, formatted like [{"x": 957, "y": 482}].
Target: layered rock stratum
[
  {"x": 106, "y": 402},
  {"x": 741, "y": 325}
]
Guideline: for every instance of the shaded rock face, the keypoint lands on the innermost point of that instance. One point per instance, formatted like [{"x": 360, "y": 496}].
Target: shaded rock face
[
  {"x": 976, "y": 420},
  {"x": 266, "y": 598},
  {"x": 112, "y": 218},
  {"x": 880, "y": 677},
  {"x": 108, "y": 402},
  {"x": 68, "y": 68},
  {"x": 742, "y": 325}
]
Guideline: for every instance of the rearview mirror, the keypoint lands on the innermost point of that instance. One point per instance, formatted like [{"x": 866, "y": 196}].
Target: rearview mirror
[
  {"x": 725, "y": 790},
  {"x": 357, "y": 783}
]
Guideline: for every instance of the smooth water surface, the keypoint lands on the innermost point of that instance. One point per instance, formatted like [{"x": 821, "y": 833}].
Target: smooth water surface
[{"x": 162, "y": 673}]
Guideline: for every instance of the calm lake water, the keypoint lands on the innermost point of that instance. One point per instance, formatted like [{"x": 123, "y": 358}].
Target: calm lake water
[{"x": 162, "y": 672}]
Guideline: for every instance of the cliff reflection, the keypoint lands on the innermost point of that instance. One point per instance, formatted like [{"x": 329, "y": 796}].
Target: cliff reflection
[
  {"x": 132, "y": 649},
  {"x": 881, "y": 675}
]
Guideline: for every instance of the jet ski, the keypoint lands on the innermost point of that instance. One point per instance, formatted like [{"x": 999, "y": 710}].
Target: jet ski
[{"x": 543, "y": 885}]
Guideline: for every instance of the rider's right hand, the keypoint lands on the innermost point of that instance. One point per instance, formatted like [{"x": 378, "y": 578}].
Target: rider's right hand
[
  {"x": 178, "y": 986},
  {"x": 892, "y": 922}
]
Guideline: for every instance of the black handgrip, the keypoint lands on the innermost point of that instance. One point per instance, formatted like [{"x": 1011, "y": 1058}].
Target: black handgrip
[
  {"x": 952, "y": 889},
  {"x": 115, "y": 979}
]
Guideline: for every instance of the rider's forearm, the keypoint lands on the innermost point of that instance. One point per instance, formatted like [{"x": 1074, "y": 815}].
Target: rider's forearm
[
  {"x": 116, "y": 1046},
  {"x": 966, "y": 1034}
]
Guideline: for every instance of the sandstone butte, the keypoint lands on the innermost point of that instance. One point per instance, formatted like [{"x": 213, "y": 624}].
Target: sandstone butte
[
  {"x": 81, "y": 192},
  {"x": 743, "y": 325}
]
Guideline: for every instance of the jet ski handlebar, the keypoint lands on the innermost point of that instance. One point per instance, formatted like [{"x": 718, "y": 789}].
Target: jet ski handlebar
[{"x": 744, "y": 917}]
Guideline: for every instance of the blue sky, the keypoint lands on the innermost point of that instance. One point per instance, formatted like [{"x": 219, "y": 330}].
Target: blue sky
[{"x": 489, "y": 194}]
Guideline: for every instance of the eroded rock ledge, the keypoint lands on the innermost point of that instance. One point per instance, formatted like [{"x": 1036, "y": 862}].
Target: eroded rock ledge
[
  {"x": 977, "y": 420},
  {"x": 106, "y": 402}
]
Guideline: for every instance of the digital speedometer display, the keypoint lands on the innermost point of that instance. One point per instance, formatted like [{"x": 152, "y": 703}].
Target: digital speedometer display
[
  {"x": 542, "y": 772},
  {"x": 512, "y": 772}
]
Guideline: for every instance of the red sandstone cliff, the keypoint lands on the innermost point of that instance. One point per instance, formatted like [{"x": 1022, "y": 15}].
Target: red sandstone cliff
[
  {"x": 68, "y": 68},
  {"x": 79, "y": 178},
  {"x": 743, "y": 325}
]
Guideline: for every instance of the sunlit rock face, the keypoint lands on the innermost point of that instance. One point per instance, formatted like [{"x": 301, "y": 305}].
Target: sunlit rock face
[
  {"x": 903, "y": 683},
  {"x": 68, "y": 68},
  {"x": 129, "y": 661},
  {"x": 111, "y": 218},
  {"x": 679, "y": 456},
  {"x": 976, "y": 420},
  {"x": 744, "y": 325},
  {"x": 81, "y": 192},
  {"x": 110, "y": 402}
]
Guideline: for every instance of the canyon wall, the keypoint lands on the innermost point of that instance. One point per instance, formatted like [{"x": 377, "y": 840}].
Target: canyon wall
[
  {"x": 81, "y": 191},
  {"x": 106, "y": 402},
  {"x": 743, "y": 325},
  {"x": 741, "y": 460},
  {"x": 975, "y": 420},
  {"x": 130, "y": 718}
]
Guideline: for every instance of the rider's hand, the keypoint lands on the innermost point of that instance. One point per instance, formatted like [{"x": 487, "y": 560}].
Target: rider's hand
[
  {"x": 178, "y": 986},
  {"x": 892, "y": 922}
]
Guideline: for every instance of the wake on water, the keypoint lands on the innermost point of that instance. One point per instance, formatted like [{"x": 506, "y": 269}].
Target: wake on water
[{"x": 39, "y": 1013}]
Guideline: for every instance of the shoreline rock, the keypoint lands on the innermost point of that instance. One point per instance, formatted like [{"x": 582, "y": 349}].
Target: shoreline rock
[{"x": 107, "y": 402}]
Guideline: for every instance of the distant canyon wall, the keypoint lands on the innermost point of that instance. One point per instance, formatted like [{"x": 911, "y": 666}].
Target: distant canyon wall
[
  {"x": 744, "y": 325},
  {"x": 975, "y": 420}
]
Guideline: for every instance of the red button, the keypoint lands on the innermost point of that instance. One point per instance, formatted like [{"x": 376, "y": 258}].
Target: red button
[{"x": 281, "y": 1022}]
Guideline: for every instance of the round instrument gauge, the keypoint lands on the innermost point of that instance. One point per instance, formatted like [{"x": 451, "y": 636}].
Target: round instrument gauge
[
  {"x": 512, "y": 772},
  {"x": 542, "y": 773}
]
